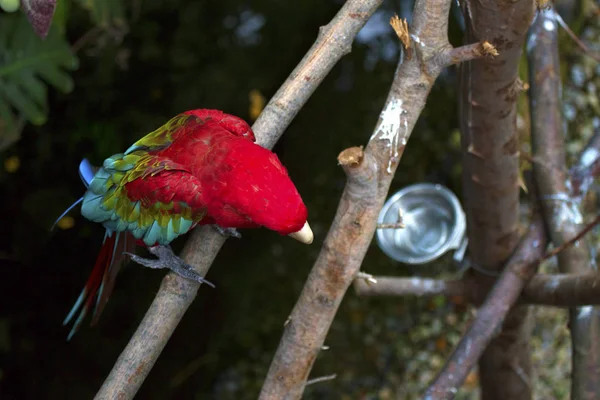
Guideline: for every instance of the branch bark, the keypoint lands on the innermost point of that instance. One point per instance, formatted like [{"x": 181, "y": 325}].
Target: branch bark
[
  {"x": 369, "y": 175},
  {"x": 563, "y": 290},
  {"x": 566, "y": 290},
  {"x": 492, "y": 316},
  {"x": 420, "y": 287},
  {"x": 176, "y": 294},
  {"x": 561, "y": 212},
  {"x": 489, "y": 91},
  {"x": 473, "y": 343},
  {"x": 587, "y": 168}
]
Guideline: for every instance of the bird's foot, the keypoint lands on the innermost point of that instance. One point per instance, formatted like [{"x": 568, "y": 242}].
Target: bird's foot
[
  {"x": 228, "y": 232},
  {"x": 168, "y": 259}
]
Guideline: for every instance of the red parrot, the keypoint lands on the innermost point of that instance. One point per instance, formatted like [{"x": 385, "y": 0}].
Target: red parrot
[{"x": 201, "y": 167}]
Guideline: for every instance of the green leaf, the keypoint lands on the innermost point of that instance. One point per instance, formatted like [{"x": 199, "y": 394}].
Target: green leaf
[
  {"x": 104, "y": 12},
  {"x": 61, "y": 15},
  {"x": 27, "y": 65}
]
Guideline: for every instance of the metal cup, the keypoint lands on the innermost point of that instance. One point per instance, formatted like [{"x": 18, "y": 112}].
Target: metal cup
[{"x": 434, "y": 223}]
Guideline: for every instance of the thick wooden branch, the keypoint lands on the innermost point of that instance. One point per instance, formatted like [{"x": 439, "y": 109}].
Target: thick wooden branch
[
  {"x": 564, "y": 290},
  {"x": 327, "y": 282},
  {"x": 491, "y": 315},
  {"x": 369, "y": 175},
  {"x": 176, "y": 294},
  {"x": 561, "y": 212},
  {"x": 489, "y": 89},
  {"x": 498, "y": 303}
]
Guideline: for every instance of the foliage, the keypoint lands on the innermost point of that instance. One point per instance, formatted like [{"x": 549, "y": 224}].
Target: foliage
[
  {"x": 27, "y": 65},
  {"x": 104, "y": 12}
]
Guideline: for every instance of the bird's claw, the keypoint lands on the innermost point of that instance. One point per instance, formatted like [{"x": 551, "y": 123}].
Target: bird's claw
[
  {"x": 228, "y": 232},
  {"x": 167, "y": 259}
]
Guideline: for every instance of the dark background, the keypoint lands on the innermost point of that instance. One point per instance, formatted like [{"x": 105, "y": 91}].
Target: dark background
[{"x": 175, "y": 56}]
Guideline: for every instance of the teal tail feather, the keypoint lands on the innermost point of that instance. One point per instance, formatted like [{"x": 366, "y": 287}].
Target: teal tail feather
[
  {"x": 66, "y": 212},
  {"x": 86, "y": 173}
]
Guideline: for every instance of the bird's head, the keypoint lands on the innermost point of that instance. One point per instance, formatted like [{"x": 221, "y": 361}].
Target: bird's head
[{"x": 258, "y": 186}]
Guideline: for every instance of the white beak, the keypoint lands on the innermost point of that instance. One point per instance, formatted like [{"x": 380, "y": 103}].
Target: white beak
[{"x": 304, "y": 235}]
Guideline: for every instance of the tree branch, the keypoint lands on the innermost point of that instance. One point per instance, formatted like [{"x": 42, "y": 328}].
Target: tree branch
[
  {"x": 176, "y": 294},
  {"x": 420, "y": 287},
  {"x": 491, "y": 315},
  {"x": 470, "y": 52},
  {"x": 586, "y": 50},
  {"x": 565, "y": 290},
  {"x": 503, "y": 296},
  {"x": 369, "y": 175},
  {"x": 561, "y": 213},
  {"x": 587, "y": 168},
  {"x": 489, "y": 89}
]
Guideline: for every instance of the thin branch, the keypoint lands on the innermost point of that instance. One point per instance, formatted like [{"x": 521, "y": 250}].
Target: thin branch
[
  {"x": 176, "y": 294},
  {"x": 586, "y": 50},
  {"x": 86, "y": 38},
  {"x": 565, "y": 245},
  {"x": 420, "y": 287},
  {"x": 398, "y": 225},
  {"x": 563, "y": 290},
  {"x": 321, "y": 379},
  {"x": 490, "y": 316},
  {"x": 369, "y": 174},
  {"x": 471, "y": 52}
]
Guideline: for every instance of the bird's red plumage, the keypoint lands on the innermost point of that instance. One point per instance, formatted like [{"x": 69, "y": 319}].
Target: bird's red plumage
[
  {"x": 216, "y": 167},
  {"x": 206, "y": 162}
]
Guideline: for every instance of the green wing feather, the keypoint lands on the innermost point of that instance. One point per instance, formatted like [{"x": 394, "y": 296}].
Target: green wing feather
[
  {"x": 163, "y": 136},
  {"x": 107, "y": 201}
]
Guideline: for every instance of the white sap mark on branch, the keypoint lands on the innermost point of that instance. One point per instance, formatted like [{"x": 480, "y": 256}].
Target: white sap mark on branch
[
  {"x": 549, "y": 25},
  {"x": 553, "y": 284},
  {"x": 584, "y": 312},
  {"x": 428, "y": 285},
  {"x": 389, "y": 128},
  {"x": 416, "y": 39},
  {"x": 589, "y": 156}
]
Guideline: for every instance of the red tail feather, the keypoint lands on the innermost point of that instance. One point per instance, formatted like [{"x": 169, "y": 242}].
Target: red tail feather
[{"x": 100, "y": 284}]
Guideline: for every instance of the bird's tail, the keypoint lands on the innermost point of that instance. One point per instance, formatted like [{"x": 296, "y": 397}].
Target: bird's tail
[{"x": 100, "y": 284}]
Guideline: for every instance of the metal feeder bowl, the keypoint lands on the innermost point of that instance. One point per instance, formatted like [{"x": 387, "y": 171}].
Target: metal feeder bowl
[{"x": 434, "y": 224}]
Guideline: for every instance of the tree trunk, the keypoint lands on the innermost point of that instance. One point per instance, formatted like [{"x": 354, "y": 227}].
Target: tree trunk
[{"x": 489, "y": 91}]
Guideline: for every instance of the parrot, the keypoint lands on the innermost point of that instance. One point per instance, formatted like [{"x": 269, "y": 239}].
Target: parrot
[{"x": 201, "y": 167}]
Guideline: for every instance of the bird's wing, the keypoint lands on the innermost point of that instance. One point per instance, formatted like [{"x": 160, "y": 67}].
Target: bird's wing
[{"x": 150, "y": 196}]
